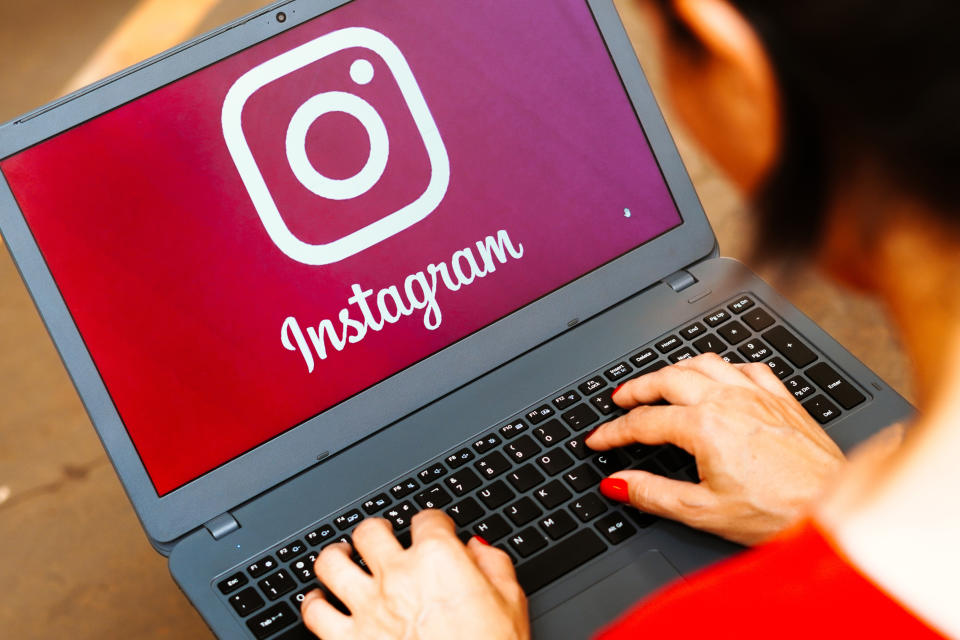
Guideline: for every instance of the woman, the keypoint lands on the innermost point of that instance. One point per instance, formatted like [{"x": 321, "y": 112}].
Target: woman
[{"x": 841, "y": 118}]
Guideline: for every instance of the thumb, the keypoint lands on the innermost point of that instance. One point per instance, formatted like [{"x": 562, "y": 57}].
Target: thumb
[
  {"x": 651, "y": 493},
  {"x": 497, "y": 567}
]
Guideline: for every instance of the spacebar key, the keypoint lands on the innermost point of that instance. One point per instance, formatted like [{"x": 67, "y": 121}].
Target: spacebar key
[{"x": 543, "y": 569}]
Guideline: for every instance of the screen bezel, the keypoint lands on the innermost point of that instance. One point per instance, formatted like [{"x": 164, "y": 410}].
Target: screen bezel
[{"x": 172, "y": 515}]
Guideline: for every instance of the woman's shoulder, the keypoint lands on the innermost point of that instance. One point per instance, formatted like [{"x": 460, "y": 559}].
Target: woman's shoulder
[{"x": 794, "y": 586}]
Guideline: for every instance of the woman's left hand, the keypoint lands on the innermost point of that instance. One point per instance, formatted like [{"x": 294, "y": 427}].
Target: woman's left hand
[{"x": 438, "y": 588}]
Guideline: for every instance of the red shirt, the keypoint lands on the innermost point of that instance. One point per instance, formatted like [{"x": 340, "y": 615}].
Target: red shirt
[{"x": 797, "y": 586}]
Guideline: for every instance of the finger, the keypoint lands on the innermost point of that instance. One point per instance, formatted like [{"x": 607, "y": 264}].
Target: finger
[
  {"x": 497, "y": 567},
  {"x": 340, "y": 574},
  {"x": 764, "y": 377},
  {"x": 323, "y": 619},
  {"x": 432, "y": 524},
  {"x": 686, "y": 502},
  {"x": 649, "y": 425},
  {"x": 717, "y": 369},
  {"x": 676, "y": 385},
  {"x": 374, "y": 541}
]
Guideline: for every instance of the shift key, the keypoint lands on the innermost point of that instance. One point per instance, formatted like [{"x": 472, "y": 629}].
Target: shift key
[
  {"x": 844, "y": 393},
  {"x": 560, "y": 560}
]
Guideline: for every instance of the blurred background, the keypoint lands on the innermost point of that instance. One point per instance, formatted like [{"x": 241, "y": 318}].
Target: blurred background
[{"x": 74, "y": 562}]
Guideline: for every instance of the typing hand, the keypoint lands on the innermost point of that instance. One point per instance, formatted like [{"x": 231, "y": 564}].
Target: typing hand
[
  {"x": 762, "y": 460},
  {"x": 438, "y": 588}
]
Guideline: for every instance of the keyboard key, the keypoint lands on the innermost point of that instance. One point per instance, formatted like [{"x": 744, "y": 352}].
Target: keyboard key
[
  {"x": 495, "y": 494},
  {"x": 800, "y": 388},
  {"x": 674, "y": 458},
  {"x": 492, "y": 528},
  {"x": 557, "y": 524},
  {"x": 522, "y": 511},
  {"x": 566, "y": 401},
  {"x": 710, "y": 344},
  {"x": 578, "y": 448},
  {"x": 593, "y": 384},
  {"x": 513, "y": 429},
  {"x": 297, "y": 599},
  {"x": 486, "y": 443},
  {"x": 277, "y": 584},
  {"x": 618, "y": 372},
  {"x": 741, "y": 304},
  {"x": 779, "y": 367},
  {"x": 733, "y": 358},
  {"x": 341, "y": 538},
  {"x": 540, "y": 414},
  {"x": 652, "y": 368},
  {"x": 641, "y": 518},
  {"x": 693, "y": 332},
  {"x": 231, "y": 584},
  {"x": 432, "y": 473},
  {"x": 465, "y": 512},
  {"x": 717, "y": 318},
  {"x": 669, "y": 344},
  {"x": 527, "y": 542},
  {"x": 588, "y": 507},
  {"x": 552, "y": 494},
  {"x": 609, "y": 462},
  {"x": 434, "y": 497},
  {"x": 462, "y": 482},
  {"x": 790, "y": 346},
  {"x": 844, "y": 393},
  {"x": 400, "y": 515},
  {"x": 821, "y": 409},
  {"x": 458, "y": 459},
  {"x": 684, "y": 354},
  {"x": 551, "y": 433},
  {"x": 298, "y": 632},
  {"x": 524, "y": 447},
  {"x": 345, "y": 521},
  {"x": 492, "y": 465},
  {"x": 755, "y": 351},
  {"x": 525, "y": 478},
  {"x": 272, "y": 620},
  {"x": 303, "y": 567},
  {"x": 639, "y": 450},
  {"x": 758, "y": 319},
  {"x": 554, "y": 462},
  {"x": 376, "y": 503},
  {"x": 580, "y": 417},
  {"x": 246, "y": 602},
  {"x": 291, "y": 551},
  {"x": 642, "y": 359},
  {"x": 615, "y": 528},
  {"x": 734, "y": 332},
  {"x": 561, "y": 559},
  {"x": 650, "y": 465},
  {"x": 582, "y": 478},
  {"x": 262, "y": 566},
  {"x": 604, "y": 403},
  {"x": 403, "y": 489}
]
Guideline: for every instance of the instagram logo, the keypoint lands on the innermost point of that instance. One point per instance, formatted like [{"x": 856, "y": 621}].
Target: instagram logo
[{"x": 361, "y": 71}]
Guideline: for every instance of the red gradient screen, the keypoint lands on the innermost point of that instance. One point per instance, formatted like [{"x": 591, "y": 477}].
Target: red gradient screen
[{"x": 265, "y": 238}]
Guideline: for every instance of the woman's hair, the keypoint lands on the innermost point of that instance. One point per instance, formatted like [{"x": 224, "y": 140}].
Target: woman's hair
[{"x": 874, "y": 80}]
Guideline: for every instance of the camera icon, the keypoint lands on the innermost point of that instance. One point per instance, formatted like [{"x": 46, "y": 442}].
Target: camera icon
[{"x": 361, "y": 72}]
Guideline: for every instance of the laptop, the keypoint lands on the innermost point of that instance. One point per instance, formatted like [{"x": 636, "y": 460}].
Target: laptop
[{"x": 341, "y": 260}]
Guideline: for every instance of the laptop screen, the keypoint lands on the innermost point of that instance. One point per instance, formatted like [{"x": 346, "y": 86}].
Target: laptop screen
[{"x": 263, "y": 239}]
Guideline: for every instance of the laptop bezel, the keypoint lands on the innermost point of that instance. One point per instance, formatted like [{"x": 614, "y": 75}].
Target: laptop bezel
[{"x": 183, "y": 510}]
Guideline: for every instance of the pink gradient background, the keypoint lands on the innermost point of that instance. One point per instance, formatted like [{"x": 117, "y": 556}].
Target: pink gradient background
[{"x": 178, "y": 291}]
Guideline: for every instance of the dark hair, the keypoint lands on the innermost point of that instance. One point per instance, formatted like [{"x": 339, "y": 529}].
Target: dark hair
[{"x": 875, "y": 80}]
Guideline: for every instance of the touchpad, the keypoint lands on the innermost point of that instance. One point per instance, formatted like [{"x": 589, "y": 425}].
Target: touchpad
[{"x": 589, "y": 611}]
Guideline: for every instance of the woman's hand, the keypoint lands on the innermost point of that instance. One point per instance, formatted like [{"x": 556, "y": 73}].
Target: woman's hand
[
  {"x": 438, "y": 588},
  {"x": 762, "y": 460}
]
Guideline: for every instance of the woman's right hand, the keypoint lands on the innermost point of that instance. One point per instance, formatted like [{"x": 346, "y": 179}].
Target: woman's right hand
[{"x": 762, "y": 459}]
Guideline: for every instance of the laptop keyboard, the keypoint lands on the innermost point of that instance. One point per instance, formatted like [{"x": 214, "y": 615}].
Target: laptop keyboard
[{"x": 529, "y": 485}]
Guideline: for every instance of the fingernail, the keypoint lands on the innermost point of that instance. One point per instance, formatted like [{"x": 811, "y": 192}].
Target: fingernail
[
  {"x": 481, "y": 541},
  {"x": 615, "y": 489}
]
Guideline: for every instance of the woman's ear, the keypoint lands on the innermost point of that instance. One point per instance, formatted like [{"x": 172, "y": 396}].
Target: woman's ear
[{"x": 725, "y": 89}]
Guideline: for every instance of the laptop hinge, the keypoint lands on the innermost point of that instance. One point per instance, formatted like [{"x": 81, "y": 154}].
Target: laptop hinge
[
  {"x": 680, "y": 280},
  {"x": 222, "y": 526}
]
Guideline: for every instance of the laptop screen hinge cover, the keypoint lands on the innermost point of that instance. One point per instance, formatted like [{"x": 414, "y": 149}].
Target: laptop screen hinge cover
[
  {"x": 222, "y": 526},
  {"x": 680, "y": 280}
]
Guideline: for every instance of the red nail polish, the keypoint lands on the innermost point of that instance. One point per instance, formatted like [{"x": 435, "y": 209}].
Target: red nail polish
[
  {"x": 617, "y": 389},
  {"x": 481, "y": 541},
  {"x": 615, "y": 489}
]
